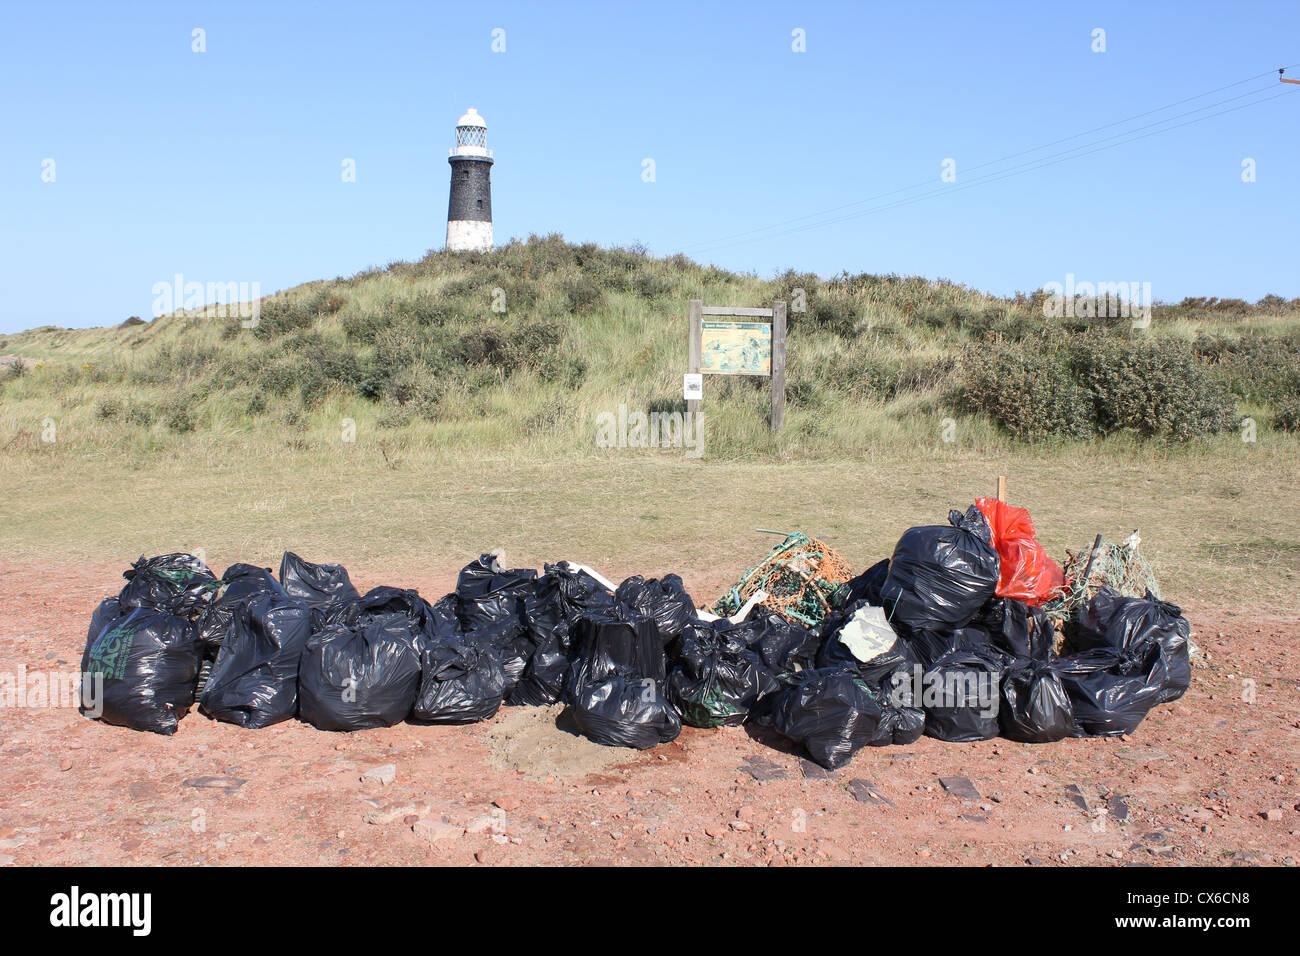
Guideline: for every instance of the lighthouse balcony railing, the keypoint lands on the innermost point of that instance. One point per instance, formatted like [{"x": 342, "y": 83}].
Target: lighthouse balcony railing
[{"x": 469, "y": 151}]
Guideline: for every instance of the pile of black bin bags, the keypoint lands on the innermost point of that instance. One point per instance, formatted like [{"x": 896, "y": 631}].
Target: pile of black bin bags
[{"x": 917, "y": 644}]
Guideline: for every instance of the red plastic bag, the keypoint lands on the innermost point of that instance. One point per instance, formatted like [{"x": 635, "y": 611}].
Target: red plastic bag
[{"x": 1028, "y": 572}]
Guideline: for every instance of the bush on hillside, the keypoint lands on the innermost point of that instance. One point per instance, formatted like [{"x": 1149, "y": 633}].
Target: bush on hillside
[
  {"x": 1030, "y": 394},
  {"x": 1155, "y": 387},
  {"x": 1286, "y": 414}
]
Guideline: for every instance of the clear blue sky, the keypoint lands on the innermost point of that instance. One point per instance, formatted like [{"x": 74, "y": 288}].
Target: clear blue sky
[{"x": 226, "y": 165}]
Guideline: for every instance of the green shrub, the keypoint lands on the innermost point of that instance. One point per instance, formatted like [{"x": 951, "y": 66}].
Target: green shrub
[
  {"x": 1155, "y": 387},
  {"x": 179, "y": 413},
  {"x": 140, "y": 414},
  {"x": 1030, "y": 394},
  {"x": 581, "y": 293},
  {"x": 1286, "y": 414}
]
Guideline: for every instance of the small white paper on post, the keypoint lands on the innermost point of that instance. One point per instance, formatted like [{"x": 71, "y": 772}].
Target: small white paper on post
[{"x": 693, "y": 386}]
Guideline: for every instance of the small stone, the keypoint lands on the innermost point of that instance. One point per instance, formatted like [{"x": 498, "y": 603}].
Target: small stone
[
  {"x": 714, "y": 831},
  {"x": 1272, "y": 816},
  {"x": 506, "y": 803},
  {"x": 226, "y": 784},
  {"x": 434, "y": 831},
  {"x": 960, "y": 787},
  {"x": 65, "y": 765},
  {"x": 864, "y": 791},
  {"x": 745, "y": 813},
  {"x": 741, "y": 825},
  {"x": 814, "y": 771},
  {"x": 382, "y": 775},
  {"x": 1074, "y": 793},
  {"x": 1117, "y": 808}
]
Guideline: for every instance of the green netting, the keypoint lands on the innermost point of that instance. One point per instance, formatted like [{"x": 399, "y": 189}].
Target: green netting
[
  {"x": 1087, "y": 571},
  {"x": 799, "y": 575}
]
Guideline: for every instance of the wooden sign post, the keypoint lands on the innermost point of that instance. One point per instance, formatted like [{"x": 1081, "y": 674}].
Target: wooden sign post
[{"x": 739, "y": 347}]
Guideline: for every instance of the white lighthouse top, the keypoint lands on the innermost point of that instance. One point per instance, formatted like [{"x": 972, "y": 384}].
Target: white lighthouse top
[{"x": 471, "y": 135}]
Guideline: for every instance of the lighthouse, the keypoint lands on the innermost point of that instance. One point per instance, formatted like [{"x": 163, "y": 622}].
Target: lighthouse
[{"x": 469, "y": 210}]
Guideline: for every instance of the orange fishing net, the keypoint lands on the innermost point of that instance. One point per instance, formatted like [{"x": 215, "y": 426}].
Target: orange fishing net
[{"x": 799, "y": 575}]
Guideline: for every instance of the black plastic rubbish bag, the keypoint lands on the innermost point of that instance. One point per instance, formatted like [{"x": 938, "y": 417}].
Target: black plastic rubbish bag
[
  {"x": 551, "y": 611},
  {"x": 320, "y": 585},
  {"x": 376, "y": 603},
  {"x": 961, "y": 695},
  {"x": 254, "y": 681},
  {"x": 1022, "y": 631},
  {"x": 1125, "y": 624},
  {"x": 179, "y": 583},
  {"x": 624, "y": 711},
  {"x": 829, "y": 712},
  {"x": 1112, "y": 691},
  {"x": 717, "y": 679},
  {"x": 240, "y": 584},
  {"x": 461, "y": 683},
  {"x": 663, "y": 600},
  {"x": 489, "y": 594},
  {"x": 614, "y": 686},
  {"x": 509, "y": 642},
  {"x": 359, "y": 678},
  {"x": 605, "y": 645},
  {"x": 107, "y": 610},
  {"x": 783, "y": 646},
  {"x": 899, "y": 725},
  {"x": 888, "y": 670},
  {"x": 548, "y": 632},
  {"x": 865, "y": 587},
  {"x": 864, "y": 642},
  {"x": 939, "y": 577},
  {"x": 141, "y": 667},
  {"x": 1035, "y": 707},
  {"x": 579, "y": 591}
]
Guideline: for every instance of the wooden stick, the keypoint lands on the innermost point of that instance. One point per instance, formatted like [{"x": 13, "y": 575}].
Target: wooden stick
[
  {"x": 693, "y": 347},
  {"x": 778, "y": 365}
]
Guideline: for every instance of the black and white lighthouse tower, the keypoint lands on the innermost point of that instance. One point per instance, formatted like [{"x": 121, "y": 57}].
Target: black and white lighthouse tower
[{"x": 469, "y": 211}]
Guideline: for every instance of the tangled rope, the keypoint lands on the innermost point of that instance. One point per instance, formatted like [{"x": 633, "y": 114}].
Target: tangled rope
[
  {"x": 799, "y": 575},
  {"x": 1088, "y": 570}
]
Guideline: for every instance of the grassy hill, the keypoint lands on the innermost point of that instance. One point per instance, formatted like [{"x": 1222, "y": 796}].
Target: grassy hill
[{"x": 416, "y": 355}]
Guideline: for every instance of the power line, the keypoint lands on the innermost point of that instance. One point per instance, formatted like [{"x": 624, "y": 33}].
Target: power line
[
  {"x": 724, "y": 241},
  {"x": 991, "y": 177}
]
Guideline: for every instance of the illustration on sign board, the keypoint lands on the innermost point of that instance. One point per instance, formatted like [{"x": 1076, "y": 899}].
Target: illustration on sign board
[{"x": 736, "y": 348}]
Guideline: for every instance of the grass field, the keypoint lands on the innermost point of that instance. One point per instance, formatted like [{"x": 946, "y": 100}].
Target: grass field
[{"x": 1218, "y": 521}]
